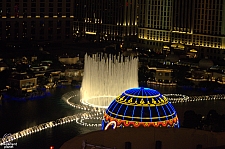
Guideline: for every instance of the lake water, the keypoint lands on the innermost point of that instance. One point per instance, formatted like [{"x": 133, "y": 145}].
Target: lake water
[{"x": 16, "y": 116}]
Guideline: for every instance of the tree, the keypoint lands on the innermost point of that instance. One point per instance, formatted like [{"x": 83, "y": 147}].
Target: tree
[{"x": 191, "y": 119}]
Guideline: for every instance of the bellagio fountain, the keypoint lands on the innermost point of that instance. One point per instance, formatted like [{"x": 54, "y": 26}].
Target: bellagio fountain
[{"x": 106, "y": 76}]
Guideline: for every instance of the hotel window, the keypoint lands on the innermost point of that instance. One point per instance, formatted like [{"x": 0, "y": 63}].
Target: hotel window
[
  {"x": 42, "y": 15},
  {"x": 24, "y": 12},
  {"x": 67, "y": 9},
  {"x": 8, "y": 13},
  {"x": 50, "y": 4},
  {"x": 50, "y": 30},
  {"x": 33, "y": 4},
  {"x": 50, "y": 23},
  {"x": 59, "y": 14},
  {"x": 67, "y": 4},
  {"x": 50, "y": 37},
  {"x": 67, "y": 15},
  {"x": 8, "y": 4},
  {"x": 42, "y": 23},
  {"x": 24, "y": 24},
  {"x": 67, "y": 23},
  {"x": 50, "y": 9},
  {"x": 33, "y": 14},
  {"x": 32, "y": 30},
  {"x": 42, "y": 4},
  {"x": 59, "y": 9},
  {"x": 42, "y": 9},
  {"x": 42, "y": 31},
  {"x": 59, "y": 23},
  {"x": 16, "y": 24},
  {"x": 41, "y": 37},
  {"x": 67, "y": 30},
  {"x": 33, "y": 9},
  {"x": 59, "y": 4}
]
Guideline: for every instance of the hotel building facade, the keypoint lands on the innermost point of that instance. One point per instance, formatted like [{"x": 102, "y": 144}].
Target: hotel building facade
[
  {"x": 36, "y": 20},
  {"x": 182, "y": 24},
  {"x": 150, "y": 24},
  {"x": 157, "y": 24}
]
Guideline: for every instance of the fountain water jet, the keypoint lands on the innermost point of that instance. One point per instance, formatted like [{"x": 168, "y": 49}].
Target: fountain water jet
[{"x": 106, "y": 76}]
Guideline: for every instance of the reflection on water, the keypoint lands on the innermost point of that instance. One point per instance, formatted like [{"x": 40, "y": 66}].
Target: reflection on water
[{"x": 16, "y": 116}]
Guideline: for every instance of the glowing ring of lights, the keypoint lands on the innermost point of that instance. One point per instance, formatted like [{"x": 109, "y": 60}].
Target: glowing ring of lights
[
  {"x": 177, "y": 97},
  {"x": 87, "y": 103},
  {"x": 81, "y": 120}
]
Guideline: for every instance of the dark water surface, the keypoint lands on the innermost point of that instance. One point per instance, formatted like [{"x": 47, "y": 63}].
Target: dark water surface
[{"x": 16, "y": 116}]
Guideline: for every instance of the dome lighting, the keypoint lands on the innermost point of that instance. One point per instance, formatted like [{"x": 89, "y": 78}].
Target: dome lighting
[{"x": 140, "y": 107}]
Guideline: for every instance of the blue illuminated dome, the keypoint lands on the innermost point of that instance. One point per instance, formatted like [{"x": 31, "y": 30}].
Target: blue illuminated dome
[{"x": 140, "y": 107}]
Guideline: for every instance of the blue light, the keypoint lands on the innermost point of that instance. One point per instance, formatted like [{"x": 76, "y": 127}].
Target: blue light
[
  {"x": 119, "y": 110},
  {"x": 133, "y": 113},
  {"x": 150, "y": 113},
  {"x": 165, "y": 113},
  {"x": 169, "y": 109},
  {"x": 114, "y": 108},
  {"x": 125, "y": 112},
  {"x": 158, "y": 113},
  {"x": 172, "y": 108}
]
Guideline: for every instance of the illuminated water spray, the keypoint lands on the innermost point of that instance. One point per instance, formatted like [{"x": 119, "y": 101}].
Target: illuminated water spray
[{"x": 106, "y": 77}]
